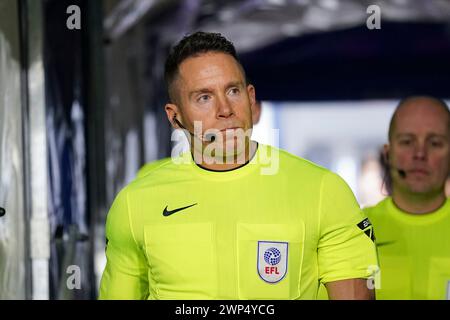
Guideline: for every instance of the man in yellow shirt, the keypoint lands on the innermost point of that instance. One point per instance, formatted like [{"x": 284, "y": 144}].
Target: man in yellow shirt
[
  {"x": 412, "y": 226},
  {"x": 231, "y": 218}
]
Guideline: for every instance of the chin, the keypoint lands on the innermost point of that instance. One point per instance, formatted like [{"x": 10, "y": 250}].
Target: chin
[
  {"x": 232, "y": 152},
  {"x": 422, "y": 188},
  {"x": 234, "y": 148}
]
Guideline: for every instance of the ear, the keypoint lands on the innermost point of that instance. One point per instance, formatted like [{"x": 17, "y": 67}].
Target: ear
[
  {"x": 256, "y": 112},
  {"x": 255, "y": 106},
  {"x": 171, "y": 111},
  {"x": 386, "y": 149}
]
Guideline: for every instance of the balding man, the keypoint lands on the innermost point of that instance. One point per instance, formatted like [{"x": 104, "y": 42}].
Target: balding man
[{"x": 412, "y": 226}]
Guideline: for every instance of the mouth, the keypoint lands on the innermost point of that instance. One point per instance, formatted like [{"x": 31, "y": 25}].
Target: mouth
[
  {"x": 422, "y": 172},
  {"x": 231, "y": 128}
]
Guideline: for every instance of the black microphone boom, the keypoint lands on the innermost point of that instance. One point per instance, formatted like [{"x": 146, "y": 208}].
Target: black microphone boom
[
  {"x": 401, "y": 173},
  {"x": 210, "y": 137}
]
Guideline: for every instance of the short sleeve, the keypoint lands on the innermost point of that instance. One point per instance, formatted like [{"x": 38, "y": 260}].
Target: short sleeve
[
  {"x": 125, "y": 274},
  {"x": 346, "y": 247}
]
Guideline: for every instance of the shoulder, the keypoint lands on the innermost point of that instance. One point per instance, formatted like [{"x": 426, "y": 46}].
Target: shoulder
[
  {"x": 305, "y": 172},
  {"x": 289, "y": 161},
  {"x": 161, "y": 172},
  {"x": 151, "y": 166},
  {"x": 377, "y": 210}
]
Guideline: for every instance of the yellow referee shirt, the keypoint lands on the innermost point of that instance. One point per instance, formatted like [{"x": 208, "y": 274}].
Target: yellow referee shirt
[
  {"x": 184, "y": 232},
  {"x": 413, "y": 250},
  {"x": 148, "y": 167}
]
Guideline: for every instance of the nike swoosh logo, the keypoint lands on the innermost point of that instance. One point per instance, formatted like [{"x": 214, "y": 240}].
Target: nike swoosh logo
[
  {"x": 167, "y": 213},
  {"x": 381, "y": 244}
]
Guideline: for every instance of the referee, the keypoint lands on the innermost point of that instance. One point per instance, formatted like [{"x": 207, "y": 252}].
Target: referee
[
  {"x": 412, "y": 225},
  {"x": 232, "y": 219}
]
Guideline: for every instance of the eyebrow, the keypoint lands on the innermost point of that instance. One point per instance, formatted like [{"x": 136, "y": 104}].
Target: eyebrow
[
  {"x": 208, "y": 90},
  {"x": 235, "y": 84},
  {"x": 197, "y": 91},
  {"x": 432, "y": 135}
]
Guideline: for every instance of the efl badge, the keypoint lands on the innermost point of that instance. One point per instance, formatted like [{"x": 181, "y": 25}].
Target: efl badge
[{"x": 272, "y": 260}]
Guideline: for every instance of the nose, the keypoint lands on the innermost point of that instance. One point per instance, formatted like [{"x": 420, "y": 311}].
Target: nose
[
  {"x": 224, "y": 108},
  {"x": 420, "y": 151}
]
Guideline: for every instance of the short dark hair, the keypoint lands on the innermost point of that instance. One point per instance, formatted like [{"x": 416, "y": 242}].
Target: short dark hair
[
  {"x": 404, "y": 101},
  {"x": 193, "y": 45}
]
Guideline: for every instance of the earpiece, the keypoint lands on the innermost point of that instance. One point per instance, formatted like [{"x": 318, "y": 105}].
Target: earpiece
[
  {"x": 209, "y": 137},
  {"x": 401, "y": 172}
]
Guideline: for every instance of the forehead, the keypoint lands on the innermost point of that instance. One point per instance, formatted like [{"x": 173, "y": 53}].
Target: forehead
[
  {"x": 422, "y": 117},
  {"x": 208, "y": 69}
]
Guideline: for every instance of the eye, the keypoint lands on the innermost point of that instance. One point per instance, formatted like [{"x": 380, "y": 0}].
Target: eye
[
  {"x": 405, "y": 142},
  {"x": 437, "y": 143},
  {"x": 203, "y": 98},
  {"x": 234, "y": 91}
]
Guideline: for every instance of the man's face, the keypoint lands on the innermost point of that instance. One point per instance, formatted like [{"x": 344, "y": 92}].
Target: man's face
[
  {"x": 420, "y": 147},
  {"x": 211, "y": 89}
]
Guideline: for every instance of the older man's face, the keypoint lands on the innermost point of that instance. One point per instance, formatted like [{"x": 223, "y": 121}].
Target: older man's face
[{"x": 419, "y": 147}]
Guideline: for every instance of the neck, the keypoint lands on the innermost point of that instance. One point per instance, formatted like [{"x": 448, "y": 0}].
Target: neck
[
  {"x": 236, "y": 161},
  {"x": 418, "y": 203}
]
